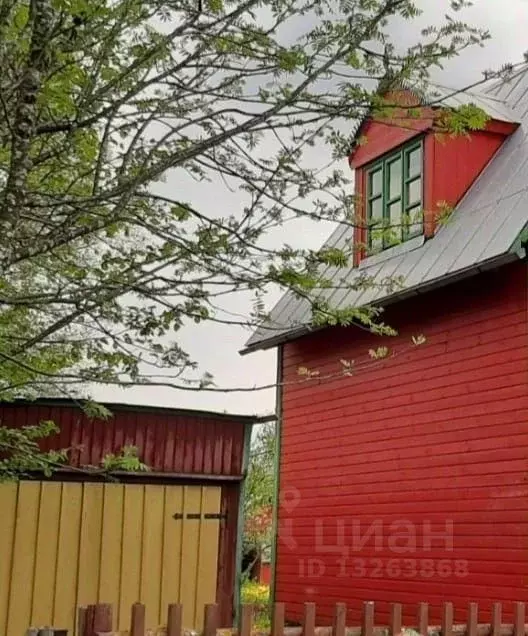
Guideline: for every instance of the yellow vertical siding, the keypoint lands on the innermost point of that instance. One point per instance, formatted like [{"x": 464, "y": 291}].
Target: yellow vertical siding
[
  {"x": 90, "y": 543},
  {"x": 66, "y": 584},
  {"x": 207, "y": 552},
  {"x": 8, "y": 505},
  {"x": 23, "y": 567},
  {"x": 189, "y": 565},
  {"x": 152, "y": 554},
  {"x": 111, "y": 541},
  {"x": 46, "y": 553},
  {"x": 172, "y": 549},
  {"x": 131, "y": 551},
  {"x": 69, "y": 544}
]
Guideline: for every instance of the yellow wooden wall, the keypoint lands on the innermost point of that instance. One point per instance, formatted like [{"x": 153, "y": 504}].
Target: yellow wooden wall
[{"x": 66, "y": 544}]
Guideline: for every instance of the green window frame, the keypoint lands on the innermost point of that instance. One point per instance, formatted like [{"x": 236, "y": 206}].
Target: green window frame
[{"x": 395, "y": 197}]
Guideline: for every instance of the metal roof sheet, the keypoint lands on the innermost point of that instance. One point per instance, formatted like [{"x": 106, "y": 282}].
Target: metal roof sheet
[
  {"x": 495, "y": 107},
  {"x": 482, "y": 231}
]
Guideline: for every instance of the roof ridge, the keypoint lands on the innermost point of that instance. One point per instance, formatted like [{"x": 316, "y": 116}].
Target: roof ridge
[
  {"x": 500, "y": 81},
  {"x": 468, "y": 91}
]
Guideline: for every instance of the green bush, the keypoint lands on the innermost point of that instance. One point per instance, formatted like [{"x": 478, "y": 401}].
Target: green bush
[{"x": 257, "y": 595}]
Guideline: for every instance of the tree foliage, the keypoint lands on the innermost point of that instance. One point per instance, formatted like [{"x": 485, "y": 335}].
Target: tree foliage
[
  {"x": 108, "y": 108},
  {"x": 21, "y": 454},
  {"x": 259, "y": 490}
]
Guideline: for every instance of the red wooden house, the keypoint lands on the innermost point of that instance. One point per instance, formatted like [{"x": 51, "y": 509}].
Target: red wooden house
[{"x": 406, "y": 479}]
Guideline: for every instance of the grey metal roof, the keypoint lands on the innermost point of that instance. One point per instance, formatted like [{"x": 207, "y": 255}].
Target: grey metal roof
[
  {"x": 482, "y": 232},
  {"x": 493, "y": 106},
  {"x": 439, "y": 95}
]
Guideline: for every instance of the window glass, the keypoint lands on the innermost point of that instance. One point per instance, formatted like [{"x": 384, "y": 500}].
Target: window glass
[
  {"x": 395, "y": 222},
  {"x": 414, "y": 192},
  {"x": 414, "y": 162},
  {"x": 394, "y": 178},
  {"x": 415, "y": 220},
  {"x": 376, "y": 180},
  {"x": 376, "y": 239},
  {"x": 395, "y": 197},
  {"x": 376, "y": 224},
  {"x": 376, "y": 210}
]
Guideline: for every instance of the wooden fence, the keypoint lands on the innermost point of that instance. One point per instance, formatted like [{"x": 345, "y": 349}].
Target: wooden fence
[{"x": 96, "y": 620}]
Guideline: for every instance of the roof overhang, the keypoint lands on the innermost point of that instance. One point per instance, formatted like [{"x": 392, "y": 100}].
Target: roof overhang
[
  {"x": 398, "y": 296},
  {"x": 118, "y": 406}
]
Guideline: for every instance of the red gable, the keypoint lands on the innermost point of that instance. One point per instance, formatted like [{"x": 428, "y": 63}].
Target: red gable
[{"x": 450, "y": 163}]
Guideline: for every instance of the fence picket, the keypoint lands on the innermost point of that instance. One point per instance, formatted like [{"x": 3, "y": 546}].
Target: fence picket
[
  {"x": 81, "y": 621},
  {"x": 396, "y": 619},
  {"x": 174, "y": 620},
  {"x": 496, "y": 619},
  {"x": 97, "y": 619},
  {"x": 518, "y": 619},
  {"x": 277, "y": 625},
  {"x": 339, "y": 627},
  {"x": 103, "y": 619},
  {"x": 447, "y": 619},
  {"x": 423, "y": 618},
  {"x": 137, "y": 620},
  {"x": 210, "y": 619},
  {"x": 368, "y": 619},
  {"x": 246, "y": 620},
  {"x": 309, "y": 619},
  {"x": 472, "y": 621},
  {"x": 89, "y": 621}
]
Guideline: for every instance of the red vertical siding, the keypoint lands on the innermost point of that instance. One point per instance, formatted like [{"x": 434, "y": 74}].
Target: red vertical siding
[
  {"x": 168, "y": 441},
  {"x": 434, "y": 434}
]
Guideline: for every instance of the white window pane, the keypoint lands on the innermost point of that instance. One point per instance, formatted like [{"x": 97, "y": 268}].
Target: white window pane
[
  {"x": 375, "y": 210},
  {"x": 414, "y": 192},
  {"x": 414, "y": 162},
  {"x": 395, "y": 178},
  {"x": 375, "y": 184},
  {"x": 415, "y": 220},
  {"x": 395, "y": 221},
  {"x": 376, "y": 240},
  {"x": 375, "y": 219}
]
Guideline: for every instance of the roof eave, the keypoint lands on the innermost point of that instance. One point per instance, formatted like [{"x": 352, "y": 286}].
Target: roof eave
[
  {"x": 237, "y": 418},
  {"x": 493, "y": 263},
  {"x": 275, "y": 341}
]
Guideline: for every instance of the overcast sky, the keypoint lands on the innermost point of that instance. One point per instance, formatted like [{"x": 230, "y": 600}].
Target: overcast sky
[{"x": 216, "y": 347}]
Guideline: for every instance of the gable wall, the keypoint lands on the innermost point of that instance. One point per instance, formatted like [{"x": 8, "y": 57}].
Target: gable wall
[
  {"x": 453, "y": 164},
  {"x": 437, "y": 433}
]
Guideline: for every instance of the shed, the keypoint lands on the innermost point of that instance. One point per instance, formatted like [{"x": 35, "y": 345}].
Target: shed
[{"x": 163, "y": 536}]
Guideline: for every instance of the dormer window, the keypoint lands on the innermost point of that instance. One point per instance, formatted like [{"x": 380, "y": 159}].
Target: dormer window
[{"x": 395, "y": 197}]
